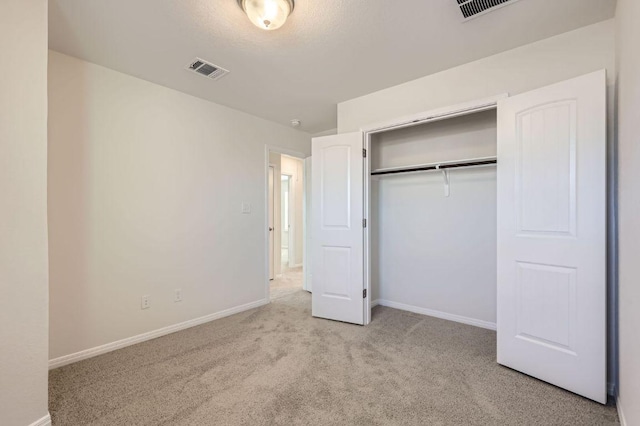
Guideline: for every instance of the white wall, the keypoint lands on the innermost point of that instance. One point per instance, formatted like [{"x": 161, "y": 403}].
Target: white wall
[
  {"x": 145, "y": 192},
  {"x": 528, "y": 67},
  {"x": 431, "y": 252},
  {"x": 628, "y": 50},
  {"x": 295, "y": 168},
  {"x": 519, "y": 70},
  {"x": 23, "y": 212}
]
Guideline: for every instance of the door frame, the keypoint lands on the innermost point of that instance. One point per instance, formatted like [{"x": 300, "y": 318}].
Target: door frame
[
  {"x": 395, "y": 124},
  {"x": 291, "y": 153}
]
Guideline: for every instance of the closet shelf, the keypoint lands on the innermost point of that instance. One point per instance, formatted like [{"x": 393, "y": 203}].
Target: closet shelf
[{"x": 442, "y": 165}]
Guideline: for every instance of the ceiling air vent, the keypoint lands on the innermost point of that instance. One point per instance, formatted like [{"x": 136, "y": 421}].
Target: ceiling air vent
[
  {"x": 472, "y": 8},
  {"x": 207, "y": 69}
]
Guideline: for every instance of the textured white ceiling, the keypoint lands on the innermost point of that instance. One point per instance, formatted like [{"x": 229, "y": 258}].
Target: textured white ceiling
[{"x": 329, "y": 50}]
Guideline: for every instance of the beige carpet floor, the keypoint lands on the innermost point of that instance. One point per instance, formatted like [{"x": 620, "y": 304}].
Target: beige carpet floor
[{"x": 276, "y": 365}]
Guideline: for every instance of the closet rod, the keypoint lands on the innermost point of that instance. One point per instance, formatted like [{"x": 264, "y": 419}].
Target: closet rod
[{"x": 436, "y": 166}]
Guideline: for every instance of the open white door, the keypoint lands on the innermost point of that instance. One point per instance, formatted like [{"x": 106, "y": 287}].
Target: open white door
[
  {"x": 271, "y": 223},
  {"x": 338, "y": 244},
  {"x": 552, "y": 234}
]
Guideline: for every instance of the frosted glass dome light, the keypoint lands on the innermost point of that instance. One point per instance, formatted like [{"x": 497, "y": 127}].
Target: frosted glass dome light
[{"x": 267, "y": 14}]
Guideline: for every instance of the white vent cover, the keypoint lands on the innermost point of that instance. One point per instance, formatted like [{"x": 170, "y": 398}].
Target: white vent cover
[
  {"x": 472, "y": 8},
  {"x": 206, "y": 69}
]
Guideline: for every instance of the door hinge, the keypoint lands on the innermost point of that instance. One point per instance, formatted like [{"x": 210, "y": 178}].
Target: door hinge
[
  {"x": 364, "y": 153},
  {"x": 364, "y": 293},
  {"x": 364, "y": 223}
]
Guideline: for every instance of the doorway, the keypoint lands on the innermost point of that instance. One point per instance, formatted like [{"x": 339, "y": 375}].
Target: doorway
[{"x": 286, "y": 222}]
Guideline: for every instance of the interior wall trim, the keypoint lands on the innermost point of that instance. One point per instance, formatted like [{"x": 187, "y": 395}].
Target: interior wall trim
[
  {"x": 437, "y": 314},
  {"x": 623, "y": 421},
  {"x": 44, "y": 421},
  {"x": 119, "y": 344}
]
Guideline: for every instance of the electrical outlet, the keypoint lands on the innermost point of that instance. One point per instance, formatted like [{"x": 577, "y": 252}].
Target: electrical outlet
[
  {"x": 145, "y": 304},
  {"x": 177, "y": 295}
]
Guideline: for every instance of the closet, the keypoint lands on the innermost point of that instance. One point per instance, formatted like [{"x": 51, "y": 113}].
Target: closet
[
  {"x": 491, "y": 213},
  {"x": 432, "y": 218}
]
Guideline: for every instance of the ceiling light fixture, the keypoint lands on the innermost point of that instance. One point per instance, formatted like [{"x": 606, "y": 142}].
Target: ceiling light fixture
[{"x": 267, "y": 14}]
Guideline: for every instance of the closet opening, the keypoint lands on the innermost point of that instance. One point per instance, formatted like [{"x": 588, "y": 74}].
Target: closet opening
[{"x": 430, "y": 189}]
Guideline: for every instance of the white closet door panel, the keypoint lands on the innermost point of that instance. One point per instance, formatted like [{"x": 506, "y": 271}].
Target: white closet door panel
[
  {"x": 338, "y": 236},
  {"x": 546, "y": 169},
  {"x": 552, "y": 234}
]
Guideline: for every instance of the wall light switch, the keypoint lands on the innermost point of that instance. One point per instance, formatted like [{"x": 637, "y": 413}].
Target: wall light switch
[
  {"x": 177, "y": 296},
  {"x": 246, "y": 208},
  {"x": 145, "y": 303}
]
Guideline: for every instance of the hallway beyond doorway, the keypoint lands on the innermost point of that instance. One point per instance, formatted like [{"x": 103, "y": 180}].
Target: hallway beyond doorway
[{"x": 289, "y": 282}]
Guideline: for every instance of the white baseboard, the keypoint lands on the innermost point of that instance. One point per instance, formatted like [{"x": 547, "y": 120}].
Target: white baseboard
[
  {"x": 433, "y": 313},
  {"x": 45, "y": 421},
  {"x": 119, "y": 344},
  {"x": 623, "y": 421}
]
